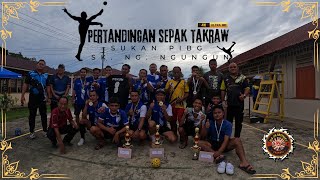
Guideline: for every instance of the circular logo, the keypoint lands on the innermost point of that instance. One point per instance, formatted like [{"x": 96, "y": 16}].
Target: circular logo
[{"x": 278, "y": 144}]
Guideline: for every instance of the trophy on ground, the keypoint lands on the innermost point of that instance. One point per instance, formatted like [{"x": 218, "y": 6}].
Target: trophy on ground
[
  {"x": 195, "y": 148},
  {"x": 157, "y": 143},
  {"x": 127, "y": 139},
  {"x": 157, "y": 151}
]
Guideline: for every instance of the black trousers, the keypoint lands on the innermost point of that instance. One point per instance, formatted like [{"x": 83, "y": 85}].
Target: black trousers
[
  {"x": 33, "y": 107},
  {"x": 67, "y": 129},
  {"x": 53, "y": 105},
  {"x": 237, "y": 113}
]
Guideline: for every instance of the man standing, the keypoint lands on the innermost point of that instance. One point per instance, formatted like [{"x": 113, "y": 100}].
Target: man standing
[
  {"x": 79, "y": 95},
  {"x": 237, "y": 90},
  {"x": 163, "y": 77},
  {"x": 143, "y": 86},
  {"x": 93, "y": 81},
  {"x": 214, "y": 80},
  {"x": 119, "y": 86},
  {"x": 178, "y": 91},
  {"x": 58, "y": 125},
  {"x": 197, "y": 85},
  {"x": 60, "y": 85},
  {"x": 39, "y": 94}
]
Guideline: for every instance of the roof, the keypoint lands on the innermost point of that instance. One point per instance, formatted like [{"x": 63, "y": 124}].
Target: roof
[
  {"x": 89, "y": 70},
  {"x": 24, "y": 64},
  {"x": 6, "y": 74},
  {"x": 291, "y": 38}
]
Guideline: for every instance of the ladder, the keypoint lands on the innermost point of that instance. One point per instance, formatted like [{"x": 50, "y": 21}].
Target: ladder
[{"x": 272, "y": 84}]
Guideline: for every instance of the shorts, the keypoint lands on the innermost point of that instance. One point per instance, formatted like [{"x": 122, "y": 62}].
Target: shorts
[
  {"x": 78, "y": 108},
  {"x": 107, "y": 135},
  {"x": 177, "y": 114},
  {"x": 189, "y": 128},
  {"x": 135, "y": 127},
  {"x": 164, "y": 129},
  {"x": 215, "y": 145}
]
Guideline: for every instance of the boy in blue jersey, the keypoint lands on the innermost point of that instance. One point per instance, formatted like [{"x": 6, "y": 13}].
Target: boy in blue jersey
[
  {"x": 144, "y": 87},
  {"x": 136, "y": 112},
  {"x": 160, "y": 113},
  {"x": 111, "y": 124},
  {"x": 92, "y": 108},
  {"x": 153, "y": 78},
  {"x": 218, "y": 131}
]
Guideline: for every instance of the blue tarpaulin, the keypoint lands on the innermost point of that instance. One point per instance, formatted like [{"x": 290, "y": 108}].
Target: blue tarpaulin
[{"x": 6, "y": 74}]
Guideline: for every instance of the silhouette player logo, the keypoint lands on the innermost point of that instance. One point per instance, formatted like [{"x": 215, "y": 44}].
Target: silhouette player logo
[
  {"x": 228, "y": 51},
  {"x": 84, "y": 24}
]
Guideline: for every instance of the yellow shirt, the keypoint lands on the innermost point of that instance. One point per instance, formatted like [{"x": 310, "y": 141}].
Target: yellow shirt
[{"x": 180, "y": 90}]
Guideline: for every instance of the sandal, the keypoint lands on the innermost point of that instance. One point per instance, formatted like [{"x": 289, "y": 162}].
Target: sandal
[
  {"x": 248, "y": 169},
  {"x": 219, "y": 159},
  {"x": 183, "y": 145},
  {"x": 98, "y": 146}
]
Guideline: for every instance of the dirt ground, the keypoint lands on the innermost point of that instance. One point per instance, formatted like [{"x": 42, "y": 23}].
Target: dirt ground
[{"x": 86, "y": 163}]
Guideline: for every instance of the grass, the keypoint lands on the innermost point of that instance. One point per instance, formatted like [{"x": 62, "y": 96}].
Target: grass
[{"x": 21, "y": 112}]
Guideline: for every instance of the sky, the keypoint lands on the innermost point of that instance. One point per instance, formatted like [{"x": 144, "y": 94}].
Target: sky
[{"x": 51, "y": 35}]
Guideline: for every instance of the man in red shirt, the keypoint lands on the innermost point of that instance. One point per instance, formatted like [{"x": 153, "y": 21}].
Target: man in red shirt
[{"x": 58, "y": 125}]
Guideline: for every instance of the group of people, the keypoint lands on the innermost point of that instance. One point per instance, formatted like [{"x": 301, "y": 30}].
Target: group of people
[{"x": 109, "y": 102}]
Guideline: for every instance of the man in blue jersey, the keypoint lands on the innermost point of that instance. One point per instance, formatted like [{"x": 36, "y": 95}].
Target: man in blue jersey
[
  {"x": 60, "y": 86},
  {"x": 143, "y": 86},
  {"x": 91, "y": 108},
  {"x": 136, "y": 112},
  {"x": 160, "y": 113},
  {"x": 93, "y": 81},
  {"x": 38, "y": 83},
  {"x": 153, "y": 78},
  {"x": 111, "y": 124},
  {"x": 218, "y": 132},
  {"x": 163, "y": 77},
  {"x": 79, "y": 95}
]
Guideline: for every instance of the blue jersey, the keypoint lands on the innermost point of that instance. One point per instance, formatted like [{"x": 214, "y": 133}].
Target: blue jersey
[
  {"x": 103, "y": 90},
  {"x": 38, "y": 83},
  {"x": 158, "y": 116},
  {"x": 139, "y": 112},
  {"x": 80, "y": 87},
  {"x": 226, "y": 129},
  {"x": 89, "y": 81},
  {"x": 118, "y": 120},
  {"x": 93, "y": 112},
  {"x": 153, "y": 79},
  {"x": 143, "y": 91}
]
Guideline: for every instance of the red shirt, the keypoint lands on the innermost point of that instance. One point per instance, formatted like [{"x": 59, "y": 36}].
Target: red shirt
[{"x": 59, "y": 118}]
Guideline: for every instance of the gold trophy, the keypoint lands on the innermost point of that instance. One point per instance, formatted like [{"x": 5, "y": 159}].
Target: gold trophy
[
  {"x": 196, "y": 149},
  {"x": 127, "y": 138},
  {"x": 157, "y": 144}
]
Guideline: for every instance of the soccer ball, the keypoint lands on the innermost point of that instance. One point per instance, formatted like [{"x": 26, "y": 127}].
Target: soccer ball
[{"x": 155, "y": 162}]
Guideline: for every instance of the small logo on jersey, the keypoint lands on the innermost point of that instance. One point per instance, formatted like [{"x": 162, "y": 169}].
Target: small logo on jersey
[{"x": 278, "y": 144}]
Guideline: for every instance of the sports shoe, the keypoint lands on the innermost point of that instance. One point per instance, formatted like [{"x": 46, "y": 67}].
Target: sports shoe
[
  {"x": 45, "y": 134},
  {"x": 81, "y": 142},
  {"x": 221, "y": 167},
  {"x": 32, "y": 136},
  {"x": 229, "y": 169}
]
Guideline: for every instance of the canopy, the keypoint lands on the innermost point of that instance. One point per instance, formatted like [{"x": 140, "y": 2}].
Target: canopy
[{"x": 6, "y": 74}]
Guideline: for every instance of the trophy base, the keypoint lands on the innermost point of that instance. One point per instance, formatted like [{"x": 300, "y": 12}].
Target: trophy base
[
  {"x": 195, "y": 156},
  {"x": 128, "y": 146},
  {"x": 156, "y": 145}
]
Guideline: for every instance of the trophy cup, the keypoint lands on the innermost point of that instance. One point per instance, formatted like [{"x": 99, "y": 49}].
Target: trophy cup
[
  {"x": 195, "y": 148},
  {"x": 157, "y": 144},
  {"x": 127, "y": 139}
]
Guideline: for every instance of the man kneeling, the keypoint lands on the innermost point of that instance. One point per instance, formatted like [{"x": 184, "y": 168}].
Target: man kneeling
[
  {"x": 58, "y": 125},
  {"x": 136, "y": 111},
  {"x": 111, "y": 124},
  {"x": 219, "y": 131},
  {"x": 160, "y": 112}
]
